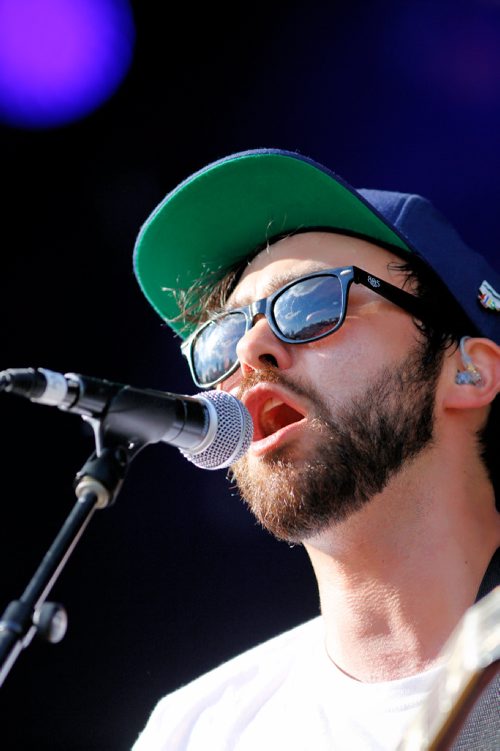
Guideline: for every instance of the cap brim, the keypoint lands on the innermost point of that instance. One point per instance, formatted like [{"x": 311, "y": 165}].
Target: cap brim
[{"x": 226, "y": 210}]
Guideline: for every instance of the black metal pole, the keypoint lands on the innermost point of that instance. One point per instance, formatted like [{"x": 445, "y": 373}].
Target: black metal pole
[
  {"x": 96, "y": 486},
  {"x": 17, "y": 628}
]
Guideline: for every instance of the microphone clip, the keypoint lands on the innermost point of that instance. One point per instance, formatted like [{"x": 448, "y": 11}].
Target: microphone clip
[{"x": 103, "y": 474}]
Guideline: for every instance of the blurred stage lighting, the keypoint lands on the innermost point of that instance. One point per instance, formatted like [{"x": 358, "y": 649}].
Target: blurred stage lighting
[{"x": 61, "y": 59}]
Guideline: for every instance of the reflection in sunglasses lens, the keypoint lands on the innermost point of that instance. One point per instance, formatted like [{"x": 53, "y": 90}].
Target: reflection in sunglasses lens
[
  {"x": 309, "y": 308},
  {"x": 215, "y": 350}
]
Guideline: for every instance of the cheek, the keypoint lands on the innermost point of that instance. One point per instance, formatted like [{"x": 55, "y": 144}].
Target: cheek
[
  {"x": 345, "y": 364},
  {"x": 230, "y": 384},
  {"x": 335, "y": 373}
]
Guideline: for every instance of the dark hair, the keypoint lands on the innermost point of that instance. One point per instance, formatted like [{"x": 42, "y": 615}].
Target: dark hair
[
  {"x": 209, "y": 294},
  {"x": 446, "y": 323}
]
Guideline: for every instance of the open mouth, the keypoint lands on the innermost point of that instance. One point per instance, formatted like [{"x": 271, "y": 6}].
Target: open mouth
[
  {"x": 271, "y": 411},
  {"x": 275, "y": 415}
]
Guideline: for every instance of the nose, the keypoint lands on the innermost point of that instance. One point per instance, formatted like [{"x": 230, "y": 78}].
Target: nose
[{"x": 259, "y": 348}]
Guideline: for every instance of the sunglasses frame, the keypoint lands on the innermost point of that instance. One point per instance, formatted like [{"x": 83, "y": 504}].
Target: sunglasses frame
[{"x": 347, "y": 275}]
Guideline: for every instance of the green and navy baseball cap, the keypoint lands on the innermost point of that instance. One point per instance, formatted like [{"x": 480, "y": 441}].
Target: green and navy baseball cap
[{"x": 223, "y": 212}]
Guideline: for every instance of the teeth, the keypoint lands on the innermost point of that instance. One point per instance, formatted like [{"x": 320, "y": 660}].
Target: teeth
[{"x": 271, "y": 404}]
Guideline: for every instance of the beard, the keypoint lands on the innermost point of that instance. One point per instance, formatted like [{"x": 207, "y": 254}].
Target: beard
[{"x": 357, "y": 450}]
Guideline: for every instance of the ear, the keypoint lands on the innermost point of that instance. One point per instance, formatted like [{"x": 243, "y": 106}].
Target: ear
[{"x": 483, "y": 357}]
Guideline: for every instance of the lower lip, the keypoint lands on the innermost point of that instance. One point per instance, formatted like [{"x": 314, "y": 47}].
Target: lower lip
[{"x": 273, "y": 441}]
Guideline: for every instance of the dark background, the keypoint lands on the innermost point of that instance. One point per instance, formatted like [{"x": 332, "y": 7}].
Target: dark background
[{"x": 176, "y": 576}]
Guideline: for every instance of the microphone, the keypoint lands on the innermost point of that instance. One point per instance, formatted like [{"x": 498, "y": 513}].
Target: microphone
[{"x": 211, "y": 429}]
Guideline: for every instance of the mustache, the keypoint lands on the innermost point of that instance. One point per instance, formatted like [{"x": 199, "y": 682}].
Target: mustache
[{"x": 268, "y": 374}]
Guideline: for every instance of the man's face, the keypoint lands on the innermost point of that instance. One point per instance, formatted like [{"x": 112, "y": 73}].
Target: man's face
[{"x": 336, "y": 419}]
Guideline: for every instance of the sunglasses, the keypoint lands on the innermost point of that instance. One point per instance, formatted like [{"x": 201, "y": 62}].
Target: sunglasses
[{"x": 304, "y": 310}]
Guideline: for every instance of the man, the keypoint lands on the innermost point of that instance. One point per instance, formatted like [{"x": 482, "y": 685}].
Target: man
[{"x": 363, "y": 336}]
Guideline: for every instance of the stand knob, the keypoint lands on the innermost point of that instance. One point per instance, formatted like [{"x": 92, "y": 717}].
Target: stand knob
[{"x": 51, "y": 621}]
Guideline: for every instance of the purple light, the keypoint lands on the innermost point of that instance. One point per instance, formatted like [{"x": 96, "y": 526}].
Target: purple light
[{"x": 61, "y": 59}]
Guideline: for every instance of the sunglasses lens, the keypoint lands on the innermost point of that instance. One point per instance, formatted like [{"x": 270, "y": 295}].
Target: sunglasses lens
[
  {"x": 306, "y": 310},
  {"x": 214, "y": 349},
  {"x": 309, "y": 309}
]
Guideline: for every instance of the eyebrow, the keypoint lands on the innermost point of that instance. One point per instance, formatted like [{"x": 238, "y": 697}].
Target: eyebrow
[{"x": 278, "y": 281}]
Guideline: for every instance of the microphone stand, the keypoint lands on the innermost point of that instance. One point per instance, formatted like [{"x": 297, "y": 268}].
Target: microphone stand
[{"x": 97, "y": 485}]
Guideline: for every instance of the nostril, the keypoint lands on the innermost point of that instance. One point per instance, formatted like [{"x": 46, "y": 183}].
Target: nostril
[{"x": 269, "y": 360}]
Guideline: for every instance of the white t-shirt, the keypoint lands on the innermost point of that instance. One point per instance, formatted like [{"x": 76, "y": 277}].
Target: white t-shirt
[{"x": 284, "y": 694}]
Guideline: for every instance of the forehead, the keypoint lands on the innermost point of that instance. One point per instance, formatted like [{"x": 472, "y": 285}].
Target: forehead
[{"x": 302, "y": 253}]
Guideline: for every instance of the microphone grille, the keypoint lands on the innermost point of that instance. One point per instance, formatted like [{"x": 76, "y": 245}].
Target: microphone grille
[{"x": 233, "y": 434}]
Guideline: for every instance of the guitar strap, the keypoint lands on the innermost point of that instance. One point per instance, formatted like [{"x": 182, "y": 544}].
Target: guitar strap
[
  {"x": 491, "y": 578},
  {"x": 480, "y": 730}
]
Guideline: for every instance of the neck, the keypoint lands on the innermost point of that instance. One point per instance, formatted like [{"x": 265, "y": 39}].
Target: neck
[{"x": 396, "y": 578}]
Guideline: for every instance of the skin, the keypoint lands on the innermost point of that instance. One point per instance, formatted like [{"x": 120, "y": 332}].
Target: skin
[{"x": 396, "y": 576}]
